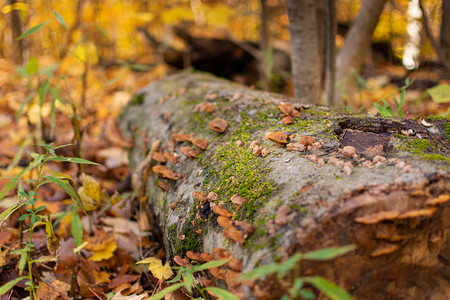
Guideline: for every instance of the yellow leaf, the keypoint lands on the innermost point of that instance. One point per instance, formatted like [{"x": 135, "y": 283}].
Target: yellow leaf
[
  {"x": 158, "y": 270},
  {"x": 89, "y": 192},
  {"x": 52, "y": 241},
  {"x": 106, "y": 253}
]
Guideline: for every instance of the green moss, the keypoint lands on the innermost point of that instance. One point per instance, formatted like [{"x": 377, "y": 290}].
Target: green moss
[
  {"x": 138, "y": 99},
  {"x": 421, "y": 147}
]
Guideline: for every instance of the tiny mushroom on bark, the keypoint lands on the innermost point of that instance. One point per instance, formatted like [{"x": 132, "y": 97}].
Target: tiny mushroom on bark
[
  {"x": 218, "y": 125},
  {"x": 279, "y": 137}
]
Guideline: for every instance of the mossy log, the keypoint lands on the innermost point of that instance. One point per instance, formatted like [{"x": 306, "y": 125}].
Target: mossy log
[{"x": 390, "y": 198}]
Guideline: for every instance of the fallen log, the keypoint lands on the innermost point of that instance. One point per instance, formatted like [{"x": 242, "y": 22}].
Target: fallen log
[{"x": 264, "y": 177}]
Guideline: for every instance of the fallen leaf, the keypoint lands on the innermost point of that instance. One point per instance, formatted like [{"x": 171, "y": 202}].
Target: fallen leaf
[
  {"x": 102, "y": 245},
  {"x": 121, "y": 279},
  {"x": 52, "y": 291},
  {"x": 218, "y": 125},
  {"x": 378, "y": 217},
  {"x": 156, "y": 268},
  {"x": 52, "y": 241},
  {"x": 89, "y": 192}
]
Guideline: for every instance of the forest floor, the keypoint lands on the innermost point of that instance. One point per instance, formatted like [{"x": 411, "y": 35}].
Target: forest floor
[{"x": 116, "y": 232}]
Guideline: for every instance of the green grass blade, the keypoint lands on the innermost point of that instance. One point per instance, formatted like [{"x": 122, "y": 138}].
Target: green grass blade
[
  {"x": 60, "y": 19},
  {"x": 12, "y": 183},
  {"x": 208, "y": 265},
  {"x": 44, "y": 88},
  {"x": 7, "y": 212},
  {"x": 31, "y": 31},
  {"x": 329, "y": 288},
  {"x": 165, "y": 291},
  {"x": 328, "y": 253},
  {"x": 221, "y": 293},
  {"x": 68, "y": 189},
  {"x": 9, "y": 285},
  {"x": 72, "y": 160}
]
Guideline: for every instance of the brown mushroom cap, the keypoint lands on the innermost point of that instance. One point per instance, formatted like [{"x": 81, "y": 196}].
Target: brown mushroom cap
[
  {"x": 278, "y": 137},
  {"x": 200, "y": 143},
  {"x": 163, "y": 171},
  {"x": 224, "y": 222},
  {"x": 199, "y": 196},
  {"x": 307, "y": 140},
  {"x": 189, "y": 152},
  {"x": 180, "y": 261},
  {"x": 234, "y": 235},
  {"x": 218, "y": 125},
  {"x": 220, "y": 210},
  {"x": 238, "y": 201}
]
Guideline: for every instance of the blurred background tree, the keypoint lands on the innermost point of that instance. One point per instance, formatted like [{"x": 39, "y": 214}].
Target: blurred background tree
[{"x": 246, "y": 41}]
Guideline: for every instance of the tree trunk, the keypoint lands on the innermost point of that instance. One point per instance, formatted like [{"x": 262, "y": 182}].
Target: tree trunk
[
  {"x": 357, "y": 40},
  {"x": 390, "y": 198},
  {"x": 264, "y": 71},
  {"x": 16, "y": 31},
  {"x": 304, "y": 48},
  {"x": 330, "y": 57},
  {"x": 445, "y": 29}
]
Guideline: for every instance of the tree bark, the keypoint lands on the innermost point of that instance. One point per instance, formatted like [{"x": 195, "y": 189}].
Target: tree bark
[
  {"x": 304, "y": 48},
  {"x": 357, "y": 40},
  {"x": 330, "y": 42},
  {"x": 16, "y": 30},
  {"x": 445, "y": 30},
  {"x": 396, "y": 211}
]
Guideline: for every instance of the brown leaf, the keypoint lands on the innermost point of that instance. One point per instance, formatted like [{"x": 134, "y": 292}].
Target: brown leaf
[
  {"x": 221, "y": 211},
  {"x": 159, "y": 157},
  {"x": 288, "y": 109},
  {"x": 200, "y": 143},
  {"x": 218, "y": 125},
  {"x": 121, "y": 279},
  {"x": 385, "y": 249},
  {"x": 378, "y": 217},
  {"x": 238, "y": 201},
  {"x": 234, "y": 234},
  {"x": 163, "y": 171},
  {"x": 189, "y": 152},
  {"x": 278, "y": 137},
  {"x": 177, "y": 137},
  {"x": 172, "y": 157},
  {"x": 288, "y": 120}
]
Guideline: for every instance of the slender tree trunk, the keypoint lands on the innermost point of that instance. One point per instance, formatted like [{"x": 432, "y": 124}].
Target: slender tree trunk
[
  {"x": 445, "y": 30},
  {"x": 263, "y": 46},
  {"x": 16, "y": 31},
  {"x": 330, "y": 57},
  {"x": 357, "y": 40},
  {"x": 304, "y": 47},
  {"x": 321, "y": 39}
]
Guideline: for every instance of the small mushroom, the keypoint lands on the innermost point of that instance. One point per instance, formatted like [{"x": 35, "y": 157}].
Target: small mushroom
[
  {"x": 224, "y": 222},
  {"x": 212, "y": 197},
  {"x": 159, "y": 157},
  {"x": 200, "y": 143},
  {"x": 279, "y": 137},
  {"x": 307, "y": 140},
  {"x": 265, "y": 152},
  {"x": 172, "y": 157},
  {"x": 234, "y": 235},
  {"x": 296, "y": 147},
  {"x": 200, "y": 197},
  {"x": 189, "y": 152},
  {"x": 181, "y": 137},
  {"x": 288, "y": 120},
  {"x": 348, "y": 151},
  {"x": 221, "y": 211},
  {"x": 163, "y": 171},
  {"x": 218, "y": 125},
  {"x": 180, "y": 261},
  {"x": 238, "y": 201}
]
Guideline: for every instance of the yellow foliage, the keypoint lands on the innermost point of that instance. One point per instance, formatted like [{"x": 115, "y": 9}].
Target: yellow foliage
[
  {"x": 89, "y": 192},
  {"x": 156, "y": 267},
  {"x": 176, "y": 14}
]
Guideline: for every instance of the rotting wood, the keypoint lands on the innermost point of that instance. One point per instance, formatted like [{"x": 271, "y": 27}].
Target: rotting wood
[{"x": 389, "y": 201}]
